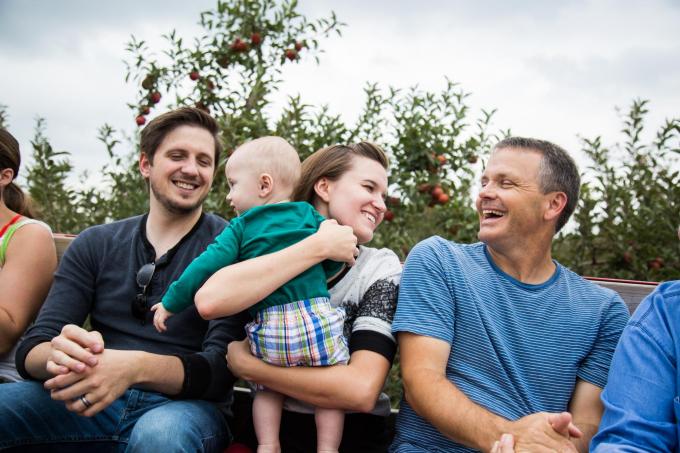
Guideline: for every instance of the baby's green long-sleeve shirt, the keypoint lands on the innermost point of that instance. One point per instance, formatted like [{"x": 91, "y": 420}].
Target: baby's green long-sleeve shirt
[{"x": 259, "y": 231}]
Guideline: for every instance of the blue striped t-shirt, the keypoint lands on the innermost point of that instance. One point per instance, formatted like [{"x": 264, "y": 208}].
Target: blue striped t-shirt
[{"x": 516, "y": 348}]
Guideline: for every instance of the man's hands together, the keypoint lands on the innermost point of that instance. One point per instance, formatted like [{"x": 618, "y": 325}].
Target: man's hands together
[
  {"x": 539, "y": 432},
  {"x": 83, "y": 368},
  {"x": 74, "y": 349}
]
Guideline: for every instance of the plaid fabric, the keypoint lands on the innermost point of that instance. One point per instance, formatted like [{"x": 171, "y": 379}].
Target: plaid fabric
[{"x": 303, "y": 333}]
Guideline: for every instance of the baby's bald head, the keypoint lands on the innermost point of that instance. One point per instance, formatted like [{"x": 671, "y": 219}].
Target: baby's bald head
[{"x": 270, "y": 155}]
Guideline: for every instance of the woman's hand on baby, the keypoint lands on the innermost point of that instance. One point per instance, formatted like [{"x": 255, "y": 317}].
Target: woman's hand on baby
[
  {"x": 160, "y": 316},
  {"x": 338, "y": 241},
  {"x": 239, "y": 358}
]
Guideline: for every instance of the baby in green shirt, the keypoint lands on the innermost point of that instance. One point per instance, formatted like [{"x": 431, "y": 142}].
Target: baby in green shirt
[{"x": 296, "y": 325}]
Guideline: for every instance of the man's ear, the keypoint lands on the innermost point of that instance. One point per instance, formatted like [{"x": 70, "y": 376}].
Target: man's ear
[
  {"x": 144, "y": 165},
  {"x": 322, "y": 187},
  {"x": 556, "y": 201},
  {"x": 266, "y": 185}
]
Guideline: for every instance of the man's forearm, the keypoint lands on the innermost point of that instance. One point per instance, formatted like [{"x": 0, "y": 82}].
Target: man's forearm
[
  {"x": 161, "y": 373},
  {"x": 470, "y": 424},
  {"x": 36, "y": 361},
  {"x": 586, "y": 408},
  {"x": 439, "y": 401},
  {"x": 583, "y": 443},
  {"x": 352, "y": 387}
]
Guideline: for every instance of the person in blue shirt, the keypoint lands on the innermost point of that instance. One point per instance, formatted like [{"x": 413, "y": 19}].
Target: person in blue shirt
[
  {"x": 497, "y": 337},
  {"x": 641, "y": 406}
]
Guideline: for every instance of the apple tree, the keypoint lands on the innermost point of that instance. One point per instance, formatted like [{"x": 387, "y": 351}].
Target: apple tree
[
  {"x": 235, "y": 65},
  {"x": 627, "y": 218}
]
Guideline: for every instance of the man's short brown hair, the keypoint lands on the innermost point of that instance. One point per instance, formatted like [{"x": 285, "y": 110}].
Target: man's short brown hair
[{"x": 156, "y": 131}]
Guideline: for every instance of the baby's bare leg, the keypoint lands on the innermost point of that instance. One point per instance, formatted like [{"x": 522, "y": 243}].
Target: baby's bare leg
[
  {"x": 267, "y": 420},
  {"x": 329, "y": 423}
]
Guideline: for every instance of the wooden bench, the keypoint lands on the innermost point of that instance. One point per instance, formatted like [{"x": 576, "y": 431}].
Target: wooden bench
[
  {"x": 631, "y": 291},
  {"x": 62, "y": 241}
]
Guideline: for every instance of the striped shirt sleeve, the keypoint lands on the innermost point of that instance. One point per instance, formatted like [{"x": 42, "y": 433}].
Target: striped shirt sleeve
[{"x": 426, "y": 302}]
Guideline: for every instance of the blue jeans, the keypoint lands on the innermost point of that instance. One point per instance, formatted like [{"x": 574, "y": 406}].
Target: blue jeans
[{"x": 138, "y": 421}]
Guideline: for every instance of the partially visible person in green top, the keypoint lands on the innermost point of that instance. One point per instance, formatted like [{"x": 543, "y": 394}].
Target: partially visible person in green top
[
  {"x": 27, "y": 259},
  {"x": 296, "y": 324}
]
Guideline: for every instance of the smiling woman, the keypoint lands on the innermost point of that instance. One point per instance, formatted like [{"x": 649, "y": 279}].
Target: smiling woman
[
  {"x": 26, "y": 249},
  {"x": 347, "y": 184}
]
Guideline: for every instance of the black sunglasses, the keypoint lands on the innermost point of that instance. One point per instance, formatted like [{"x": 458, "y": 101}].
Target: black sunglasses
[{"x": 139, "y": 306}]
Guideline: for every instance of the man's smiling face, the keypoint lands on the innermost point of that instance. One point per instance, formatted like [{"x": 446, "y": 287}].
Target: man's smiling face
[
  {"x": 182, "y": 170},
  {"x": 510, "y": 203}
]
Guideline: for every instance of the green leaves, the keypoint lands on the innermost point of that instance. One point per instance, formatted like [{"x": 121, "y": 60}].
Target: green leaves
[
  {"x": 47, "y": 183},
  {"x": 4, "y": 117},
  {"x": 121, "y": 191},
  {"x": 434, "y": 149},
  {"x": 239, "y": 57},
  {"x": 628, "y": 213}
]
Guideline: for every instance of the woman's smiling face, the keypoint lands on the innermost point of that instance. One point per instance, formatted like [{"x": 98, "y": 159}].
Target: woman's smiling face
[{"x": 357, "y": 198}]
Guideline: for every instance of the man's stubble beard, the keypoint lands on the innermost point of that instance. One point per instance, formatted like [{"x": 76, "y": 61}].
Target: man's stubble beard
[{"x": 173, "y": 207}]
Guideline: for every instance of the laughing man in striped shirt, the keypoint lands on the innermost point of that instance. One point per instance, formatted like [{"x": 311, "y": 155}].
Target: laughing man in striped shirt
[{"x": 497, "y": 337}]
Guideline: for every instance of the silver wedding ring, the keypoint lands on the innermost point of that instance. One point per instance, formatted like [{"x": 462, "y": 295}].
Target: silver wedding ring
[{"x": 85, "y": 401}]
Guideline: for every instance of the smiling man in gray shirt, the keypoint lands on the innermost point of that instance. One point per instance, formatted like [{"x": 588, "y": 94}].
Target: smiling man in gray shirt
[{"x": 123, "y": 384}]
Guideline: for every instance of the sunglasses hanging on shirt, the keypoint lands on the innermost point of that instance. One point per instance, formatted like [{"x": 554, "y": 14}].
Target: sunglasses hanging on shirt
[{"x": 139, "y": 306}]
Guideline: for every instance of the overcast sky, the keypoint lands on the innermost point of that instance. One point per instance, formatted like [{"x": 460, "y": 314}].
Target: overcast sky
[{"x": 552, "y": 69}]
